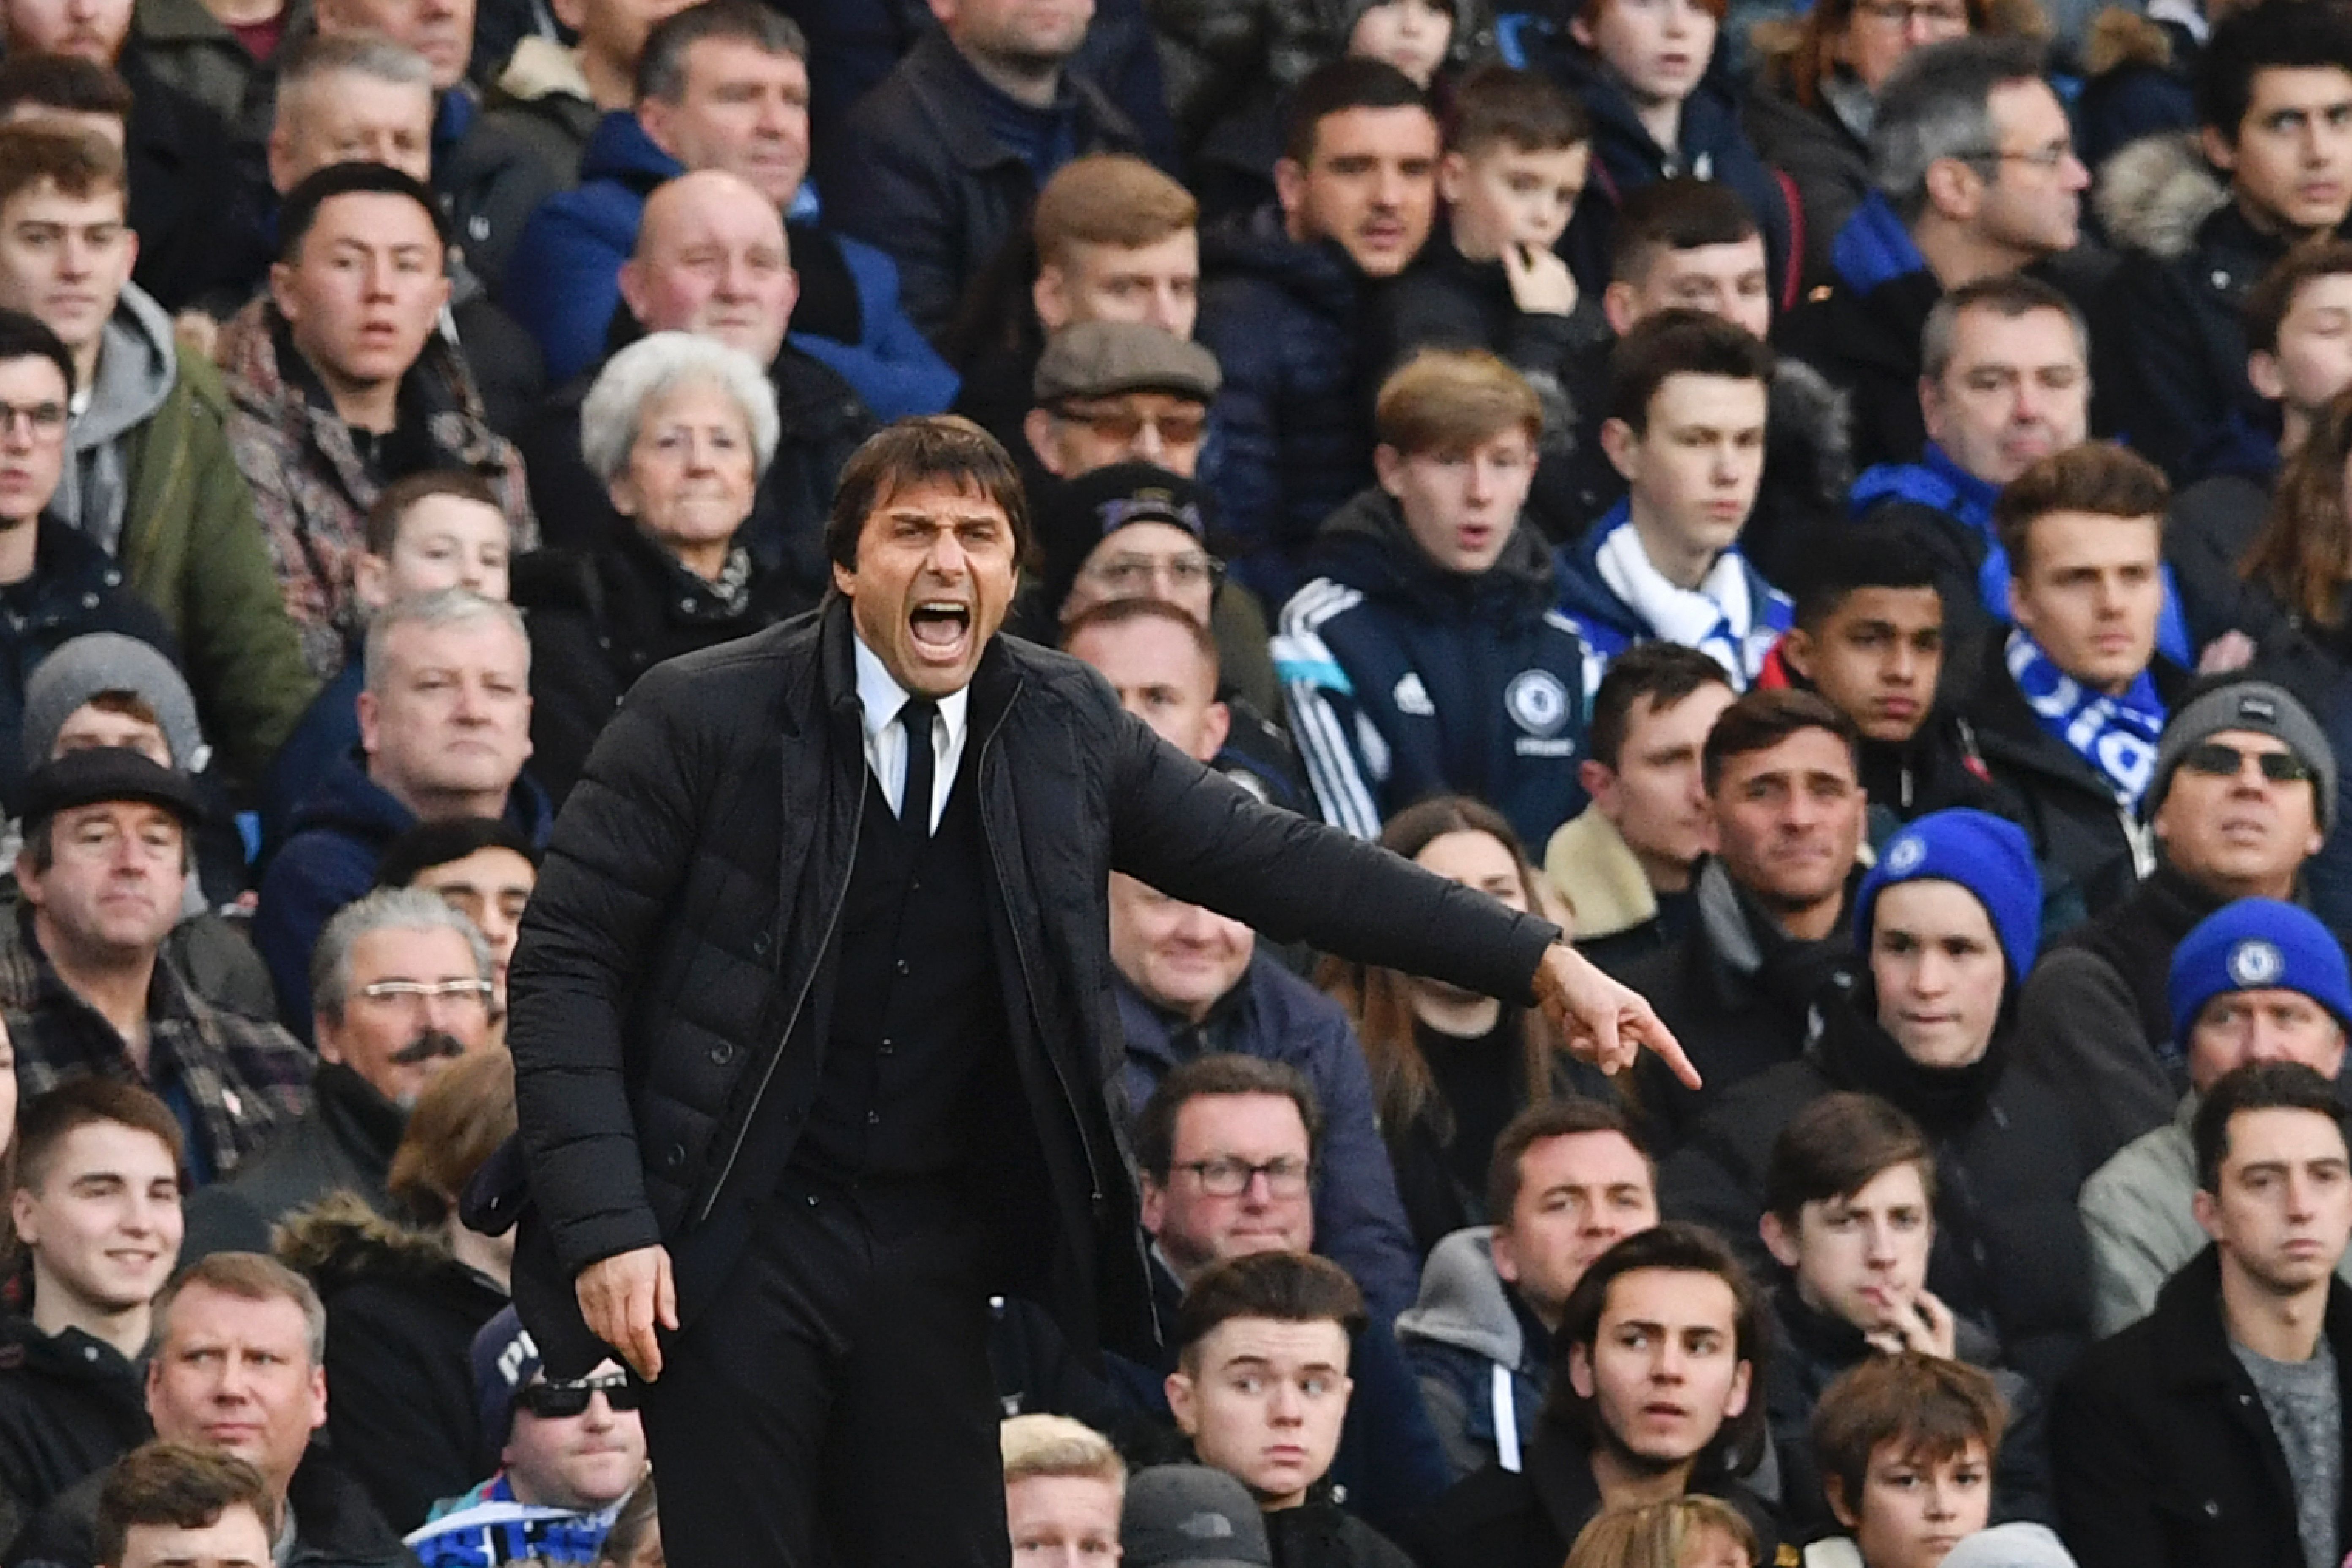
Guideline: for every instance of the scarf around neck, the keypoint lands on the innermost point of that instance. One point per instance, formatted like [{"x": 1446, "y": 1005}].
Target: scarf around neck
[
  {"x": 1718, "y": 617},
  {"x": 2117, "y": 735}
]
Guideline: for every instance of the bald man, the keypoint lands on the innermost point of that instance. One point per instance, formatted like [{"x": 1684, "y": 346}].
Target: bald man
[{"x": 669, "y": 284}]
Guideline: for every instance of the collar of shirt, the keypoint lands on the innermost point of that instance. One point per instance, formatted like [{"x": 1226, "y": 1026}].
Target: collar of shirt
[{"x": 880, "y": 697}]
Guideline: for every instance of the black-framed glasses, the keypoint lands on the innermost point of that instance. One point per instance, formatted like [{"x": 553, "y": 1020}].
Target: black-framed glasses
[
  {"x": 1228, "y": 1178},
  {"x": 45, "y": 420},
  {"x": 2227, "y": 761},
  {"x": 561, "y": 1399}
]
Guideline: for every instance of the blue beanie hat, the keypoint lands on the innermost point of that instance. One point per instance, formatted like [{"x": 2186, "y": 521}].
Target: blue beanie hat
[
  {"x": 1987, "y": 855},
  {"x": 2257, "y": 945},
  {"x": 505, "y": 1358}
]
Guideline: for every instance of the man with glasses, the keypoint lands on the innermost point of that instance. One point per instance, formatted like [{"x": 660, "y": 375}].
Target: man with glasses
[
  {"x": 1973, "y": 174},
  {"x": 571, "y": 1450},
  {"x": 1424, "y": 656},
  {"x": 2274, "y": 112},
  {"x": 104, "y": 871},
  {"x": 2243, "y": 792},
  {"x": 400, "y": 987},
  {"x": 1114, "y": 392}
]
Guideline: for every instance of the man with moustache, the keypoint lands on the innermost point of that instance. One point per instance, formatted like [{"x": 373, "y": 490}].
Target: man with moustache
[{"x": 869, "y": 1098}]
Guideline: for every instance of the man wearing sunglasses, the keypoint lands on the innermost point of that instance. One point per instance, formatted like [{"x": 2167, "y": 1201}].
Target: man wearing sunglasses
[
  {"x": 570, "y": 1452},
  {"x": 1115, "y": 392},
  {"x": 2243, "y": 792}
]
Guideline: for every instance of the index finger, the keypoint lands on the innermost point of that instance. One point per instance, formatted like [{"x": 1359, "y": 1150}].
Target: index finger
[{"x": 1662, "y": 1045}]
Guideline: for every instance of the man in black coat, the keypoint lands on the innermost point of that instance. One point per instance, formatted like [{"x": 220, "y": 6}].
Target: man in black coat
[
  {"x": 804, "y": 1081},
  {"x": 2212, "y": 1432}
]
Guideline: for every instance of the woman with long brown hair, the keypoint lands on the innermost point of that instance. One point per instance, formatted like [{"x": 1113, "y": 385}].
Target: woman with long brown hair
[
  {"x": 2297, "y": 601},
  {"x": 1449, "y": 1068}
]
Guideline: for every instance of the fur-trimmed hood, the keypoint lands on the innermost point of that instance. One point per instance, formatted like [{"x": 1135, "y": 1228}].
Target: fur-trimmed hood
[
  {"x": 2156, "y": 192},
  {"x": 1814, "y": 458},
  {"x": 339, "y": 1241}
]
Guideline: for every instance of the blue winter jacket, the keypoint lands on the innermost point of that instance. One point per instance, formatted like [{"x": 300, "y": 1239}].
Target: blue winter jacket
[
  {"x": 565, "y": 280},
  {"x": 1610, "y": 625},
  {"x": 329, "y": 858},
  {"x": 1276, "y": 1017},
  {"x": 1405, "y": 681}
]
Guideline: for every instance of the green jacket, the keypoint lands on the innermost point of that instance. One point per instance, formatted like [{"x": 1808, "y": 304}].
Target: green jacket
[{"x": 192, "y": 548}]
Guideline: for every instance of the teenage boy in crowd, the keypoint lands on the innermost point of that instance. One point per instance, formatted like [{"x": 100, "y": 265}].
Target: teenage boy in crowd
[
  {"x": 1849, "y": 1215},
  {"x": 2212, "y": 1433},
  {"x": 96, "y": 1208},
  {"x": 2256, "y": 981},
  {"x": 2243, "y": 789},
  {"x": 1425, "y": 656},
  {"x": 1687, "y": 408},
  {"x": 2274, "y": 117},
  {"x": 1261, "y": 1387},
  {"x": 1569, "y": 1180},
  {"x": 1908, "y": 1445},
  {"x": 1659, "y": 1348},
  {"x": 2068, "y": 706},
  {"x": 169, "y": 1505},
  {"x": 1624, "y": 864},
  {"x": 1356, "y": 196}
]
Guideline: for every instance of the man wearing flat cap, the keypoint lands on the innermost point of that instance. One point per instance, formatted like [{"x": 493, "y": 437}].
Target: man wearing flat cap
[
  {"x": 103, "y": 867},
  {"x": 1110, "y": 392},
  {"x": 2243, "y": 793}
]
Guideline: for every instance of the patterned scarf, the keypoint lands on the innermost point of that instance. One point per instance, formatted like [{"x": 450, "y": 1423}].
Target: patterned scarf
[
  {"x": 2117, "y": 735},
  {"x": 1720, "y": 617}
]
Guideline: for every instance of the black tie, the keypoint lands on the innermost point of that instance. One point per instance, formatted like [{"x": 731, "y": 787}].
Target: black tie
[{"x": 915, "y": 800}]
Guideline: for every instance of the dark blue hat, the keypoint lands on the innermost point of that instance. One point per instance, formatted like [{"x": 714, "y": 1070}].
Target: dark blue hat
[
  {"x": 2257, "y": 945},
  {"x": 1987, "y": 855}
]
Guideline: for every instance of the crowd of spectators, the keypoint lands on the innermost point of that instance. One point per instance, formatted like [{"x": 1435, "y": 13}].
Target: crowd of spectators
[{"x": 1847, "y": 508}]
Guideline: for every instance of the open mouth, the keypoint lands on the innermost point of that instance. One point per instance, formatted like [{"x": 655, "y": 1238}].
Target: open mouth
[{"x": 940, "y": 625}]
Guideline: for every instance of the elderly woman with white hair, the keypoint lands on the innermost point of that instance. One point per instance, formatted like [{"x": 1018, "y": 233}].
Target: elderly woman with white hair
[{"x": 678, "y": 429}]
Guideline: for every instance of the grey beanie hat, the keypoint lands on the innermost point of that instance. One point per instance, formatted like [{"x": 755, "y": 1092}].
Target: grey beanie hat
[
  {"x": 2010, "y": 1546},
  {"x": 108, "y": 661},
  {"x": 2255, "y": 705}
]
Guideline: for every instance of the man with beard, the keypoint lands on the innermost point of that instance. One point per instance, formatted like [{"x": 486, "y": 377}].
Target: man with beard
[{"x": 399, "y": 985}]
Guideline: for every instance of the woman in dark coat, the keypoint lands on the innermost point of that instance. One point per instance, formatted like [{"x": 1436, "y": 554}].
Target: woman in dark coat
[{"x": 678, "y": 429}]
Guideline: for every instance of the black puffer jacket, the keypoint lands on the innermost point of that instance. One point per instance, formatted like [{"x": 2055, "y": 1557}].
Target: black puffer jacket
[
  {"x": 2010, "y": 1250},
  {"x": 601, "y": 618},
  {"x": 402, "y": 1314},
  {"x": 69, "y": 1405},
  {"x": 1291, "y": 431},
  {"x": 685, "y": 910}
]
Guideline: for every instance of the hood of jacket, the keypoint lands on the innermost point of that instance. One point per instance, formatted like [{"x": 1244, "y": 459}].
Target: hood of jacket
[
  {"x": 1874, "y": 248},
  {"x": 619, "y": 148},
  {"x": 1367, "y": 545},
  {"x": 1599, "y": 875},
  {"x": 1462, "y": 1302},
  {"x": 2156, "y": 192},
  {"x": 1808, "y": 437},
  {"x": 137, "y": 364},
  {"x": 68, "y": 1355},
  {"x": 339, "y": 1241},
  {"x": 349, "y": 804},
  {"x": 1257, "y": 246}
]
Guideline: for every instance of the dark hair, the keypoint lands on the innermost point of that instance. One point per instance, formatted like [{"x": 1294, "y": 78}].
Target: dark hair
[
  {"x": 29, "y": 337},
  {"x": 1761, "y": 719},
  {"x": 2303, "y": 552},
  {"x": 174, "y": 1484},
  {"x": 1351, "y": 81},
  {"x": 1571, "y": 1116},
  {"x": 80, "y": 164},
  {"x": 661, "y": 63},
  {"x": 1838, "y": 1146},
  {"x": 1222, "y": 1072},
  {"x": 390, "y": 508},
  {"x": 2097, "y": 477},
  {"x": 1403, "y": 1088},
  {"x": 2273, "y": 295},
  {"x": 1680, "y": 343},
  {"x": 936, "y": 449},
  {"x": 49, "y": 1119},
  {"x": 1847, "y": 559},
  {"x": 1663, "y": 672},
  {"x": 2276, "y": 34},
  {"x": 1525, "y": 109},
  {"x": 1680, "y": 214},
  {"x": 2256, "y": 1086},
  {"x": 300, "y": 211},
  {"x": 67, "y": 83},
  {"x": 1932, "y": 1407},
  {"x": 431, "y": 843},
  {"x": 1677, "y": 1246},
  {"x": 1286, "y": 1286}
]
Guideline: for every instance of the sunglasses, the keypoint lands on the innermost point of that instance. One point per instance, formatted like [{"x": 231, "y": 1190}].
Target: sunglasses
[
  {"x": 2228, "y": 761},
  {"x": 559, "y": 1400}
]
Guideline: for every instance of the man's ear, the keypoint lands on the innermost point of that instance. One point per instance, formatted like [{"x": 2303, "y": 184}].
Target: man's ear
[
  {"x": 1038, "y": 426},
  {"x": 1453, "y": 177},
  {"x": 1178, "y": 1389},
  {"x": 1623, "y": 447},
  {"x": 2218, "y": 150},
  {"x": 1050, "y": 297},
  {"x": 1797, "y": 651},
  {"x": 1833, "y": 1487},
  {"x": 1289, "y": 185},
  {"x": 2207, "y": 1212},
  {"x": 1954, "y": 189},
  {"x": 1779, "y": 1240},
  {"x": 1387, "y": 464},
  {"x": 1507, "y": 1255},
  {"x": 1218, "y": 724}
]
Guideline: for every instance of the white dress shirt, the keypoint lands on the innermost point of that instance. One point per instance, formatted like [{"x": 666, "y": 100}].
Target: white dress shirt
[{"x": 880, "y": 696}]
